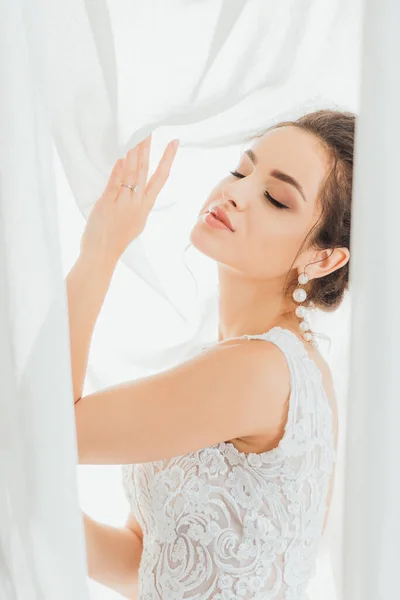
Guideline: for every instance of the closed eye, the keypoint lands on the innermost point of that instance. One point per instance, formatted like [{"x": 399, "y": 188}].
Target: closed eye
[{"x": 266, "y": 194}]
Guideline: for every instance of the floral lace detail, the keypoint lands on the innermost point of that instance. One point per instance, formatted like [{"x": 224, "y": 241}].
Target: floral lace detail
[{"x": 227, "y": 525}]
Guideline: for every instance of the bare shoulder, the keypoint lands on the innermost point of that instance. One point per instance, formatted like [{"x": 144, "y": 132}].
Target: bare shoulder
[
  {"x": 272, "y": 412},
  {"x": 232, "y": 389},
  {"x": 264, "y": 361}
]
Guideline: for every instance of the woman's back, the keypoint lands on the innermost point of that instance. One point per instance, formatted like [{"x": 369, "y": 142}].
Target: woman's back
[{"x": 221, "y": 523}]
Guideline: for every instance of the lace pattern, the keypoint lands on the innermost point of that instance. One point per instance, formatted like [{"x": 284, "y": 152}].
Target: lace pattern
[{"x": 223, "y": 524}]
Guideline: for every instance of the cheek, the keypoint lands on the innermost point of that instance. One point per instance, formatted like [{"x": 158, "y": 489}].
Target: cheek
[
  {"x": 265, "y": 246},
  {"x": 270, "y": 248}
]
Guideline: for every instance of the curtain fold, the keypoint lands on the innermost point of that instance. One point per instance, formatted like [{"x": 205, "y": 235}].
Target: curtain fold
[
  {"x": 83, "y": 81},
  {"x": 41, "y": 553},
  {"x": 371, "y": 521}
]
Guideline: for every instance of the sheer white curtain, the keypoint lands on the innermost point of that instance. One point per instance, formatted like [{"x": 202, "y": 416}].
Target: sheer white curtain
[
  {"x": 82, "y": 81},
  {"x": 372, "y": 522}
]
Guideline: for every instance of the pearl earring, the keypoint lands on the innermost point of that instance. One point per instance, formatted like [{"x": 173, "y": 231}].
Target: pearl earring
[{"x": 299, "y": 296}]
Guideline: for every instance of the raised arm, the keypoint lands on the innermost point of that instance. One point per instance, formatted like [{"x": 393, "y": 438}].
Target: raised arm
[
  {"x": 87, "y": 285},
  {"x": 117, "y": 218},
  {"x": 233, "y": 390}
]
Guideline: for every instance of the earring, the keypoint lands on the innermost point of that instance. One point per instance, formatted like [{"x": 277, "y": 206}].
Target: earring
[{"x": 299, "y": 296}]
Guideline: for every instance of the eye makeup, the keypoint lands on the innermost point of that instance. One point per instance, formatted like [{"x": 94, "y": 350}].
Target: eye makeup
[{"x": 272, "y": 200}]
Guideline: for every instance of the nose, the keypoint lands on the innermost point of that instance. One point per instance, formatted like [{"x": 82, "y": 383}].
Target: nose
[
  {"x": 231, "y": 202},
  {"x": 229, "y": 199}
]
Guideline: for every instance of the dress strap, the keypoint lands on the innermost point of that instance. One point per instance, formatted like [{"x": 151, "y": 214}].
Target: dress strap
[{"x": 285, "y": 339}]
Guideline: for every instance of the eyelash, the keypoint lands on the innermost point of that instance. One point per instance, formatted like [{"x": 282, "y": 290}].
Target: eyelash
[{"x": 266, "y": 194}]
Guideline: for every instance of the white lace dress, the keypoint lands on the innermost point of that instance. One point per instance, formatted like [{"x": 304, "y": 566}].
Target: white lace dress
[{"x": 222, "y": 524}]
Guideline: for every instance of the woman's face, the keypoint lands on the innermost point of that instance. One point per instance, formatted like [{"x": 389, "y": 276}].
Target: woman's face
[{"x": 266, "y": 238}]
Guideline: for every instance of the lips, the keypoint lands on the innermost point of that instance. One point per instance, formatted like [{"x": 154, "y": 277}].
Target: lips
[{"x": 222, "y": 216}]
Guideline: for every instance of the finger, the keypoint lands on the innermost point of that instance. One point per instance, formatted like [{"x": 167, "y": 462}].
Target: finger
[
  {"x": 130, "y": 169},
  {"x": 143, "y": 166},
  {"x": 113, "y": 181},
  {"x": 161, "y": 174}
]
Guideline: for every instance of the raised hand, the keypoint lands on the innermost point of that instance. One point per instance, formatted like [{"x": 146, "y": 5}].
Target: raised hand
[{"x": 120, "y": 214}]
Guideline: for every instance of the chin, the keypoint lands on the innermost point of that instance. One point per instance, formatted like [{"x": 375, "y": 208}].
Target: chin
[
  {"x": 227, "y": 251},
  {"x": 208, "y": 242}
]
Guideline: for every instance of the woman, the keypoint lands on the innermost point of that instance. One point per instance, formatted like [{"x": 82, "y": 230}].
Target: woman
[{"x": 229, "y": 457}]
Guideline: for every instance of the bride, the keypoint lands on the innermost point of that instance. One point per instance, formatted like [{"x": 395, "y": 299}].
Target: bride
[{"x": 229, "y": 457}]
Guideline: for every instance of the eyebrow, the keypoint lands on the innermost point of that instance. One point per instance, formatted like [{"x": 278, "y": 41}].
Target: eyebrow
[{"x": 279, "y": 175}]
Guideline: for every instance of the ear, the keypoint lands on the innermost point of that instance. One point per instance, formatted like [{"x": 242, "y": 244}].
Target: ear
[{"x": 325, "y": 262}]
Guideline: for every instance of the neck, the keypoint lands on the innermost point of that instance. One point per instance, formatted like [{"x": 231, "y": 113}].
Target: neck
[{"x": 251, "y": 306}]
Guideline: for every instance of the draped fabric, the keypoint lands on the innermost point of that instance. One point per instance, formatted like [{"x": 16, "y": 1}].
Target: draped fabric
[{"x": 81, "y": 82}]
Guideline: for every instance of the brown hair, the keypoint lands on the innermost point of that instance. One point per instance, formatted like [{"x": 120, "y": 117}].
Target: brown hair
[{"x": 336, "y": 131}]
